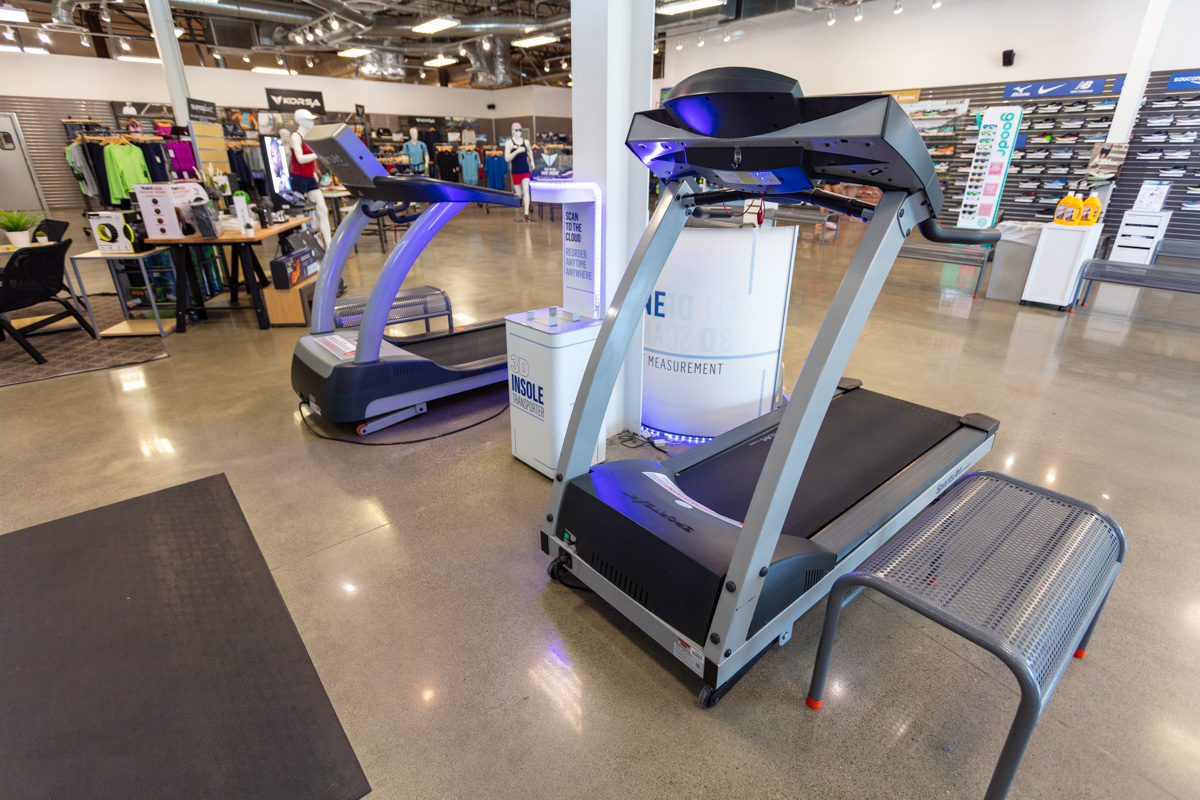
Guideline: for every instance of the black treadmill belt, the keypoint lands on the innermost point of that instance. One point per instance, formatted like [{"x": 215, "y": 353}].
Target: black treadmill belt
[
  {"x": 866, "y": 438},
  {"x": 463, "y": 347}
]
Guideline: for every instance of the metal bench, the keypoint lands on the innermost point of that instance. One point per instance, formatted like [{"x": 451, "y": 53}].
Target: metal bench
[
  {"x": 1171, "y": 277},
  {"x": 967, "y": 255},
  {"x": 1021, "y": 571},
  {"x": 411, "y": 305},
  {"x": 712, "y": 217}
]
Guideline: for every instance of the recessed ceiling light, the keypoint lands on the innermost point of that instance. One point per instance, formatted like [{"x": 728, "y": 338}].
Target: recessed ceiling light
[
  {"x": 684, "y": 6},
  {"x": 272, "y": 71},
  {"x": 536, "y": 41},
  {"x": 13, "y": 14},
  {"x": 37, "y": 51},
  {"x": 441, "y": 61},
  {"x": 435, "y": 25},
  {"x": 354, "y": 52},
  {"x": 137, "y": 59}
]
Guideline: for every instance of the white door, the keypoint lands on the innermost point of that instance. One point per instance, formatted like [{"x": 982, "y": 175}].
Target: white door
[{"x": 19, "y": 189}]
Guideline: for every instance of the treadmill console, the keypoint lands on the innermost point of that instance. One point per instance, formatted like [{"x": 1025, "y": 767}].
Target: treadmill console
[
  {"x": 345, "y": 154},
  {"x": 754, "y": 131}
]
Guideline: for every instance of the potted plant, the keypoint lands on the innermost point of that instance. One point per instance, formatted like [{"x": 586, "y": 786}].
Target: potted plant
[{"x": 19, "y": 225}]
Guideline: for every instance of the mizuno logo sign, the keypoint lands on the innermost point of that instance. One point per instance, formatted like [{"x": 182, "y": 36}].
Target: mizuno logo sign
[
  {"x": 1021, "y": 91},
  {"x": 1048, "y": 89}
]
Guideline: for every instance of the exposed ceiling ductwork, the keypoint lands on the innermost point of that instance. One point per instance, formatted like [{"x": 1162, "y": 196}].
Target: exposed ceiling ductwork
[
  {"x": 490, "y": 68},
  {"x": 499, "y": 26}
]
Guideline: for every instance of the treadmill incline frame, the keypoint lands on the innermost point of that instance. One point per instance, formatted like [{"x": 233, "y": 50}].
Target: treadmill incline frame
[{"x": 727, "y": 650}]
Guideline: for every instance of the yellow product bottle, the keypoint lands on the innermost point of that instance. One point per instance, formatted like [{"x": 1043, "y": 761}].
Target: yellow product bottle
[
  {"x": 1091, "y": 210},
  {"x": 1069, "y": 210}
]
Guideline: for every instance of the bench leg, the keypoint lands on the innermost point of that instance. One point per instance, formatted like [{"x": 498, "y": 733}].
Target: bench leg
[
  {"x": 833, "y": 612},
  {"x": 1019, "y": 734},
  {"x": 1081, "y": 649}
]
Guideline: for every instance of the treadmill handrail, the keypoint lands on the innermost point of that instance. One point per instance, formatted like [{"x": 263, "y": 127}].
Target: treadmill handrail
[
  {"x": 329, "y": 276},
  {"x": 391, "y": 276},
  {"x": 936, "y": 233}
]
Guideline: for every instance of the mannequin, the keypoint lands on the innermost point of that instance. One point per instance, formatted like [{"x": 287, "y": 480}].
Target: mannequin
[
  {"x": 304, "y": 171},
  {"x": 519, "y": 156},
  {"x": 417, "y": 152}
]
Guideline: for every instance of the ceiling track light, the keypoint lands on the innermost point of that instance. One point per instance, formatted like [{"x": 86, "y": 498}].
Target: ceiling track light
[
  {"x": 279, "y": 59},
  {"x": 44, "y": 37},
  {"x": 246, "y": 59},
  {"x": 487, "y": 44},
  {"x": 566, "y": 64},
  {"x": 679, "y": 44},
  {"x": 896, "y": 9},
  {"x": 334, "y": 24},
  {"x": 309, "y": 36},
  {"x": 422, "y": 73},
  {"x": 462, "y": 51},
  {"x": 937, "y": 4},
  {"x": 546, "y": 67},
  {"x": 858, "y": 13},
  {"x": 832, "y": 18},
  {"x": 105, "y": 16},
  {"x": 655, "y": 50},
  {"x": 83, "y": 40},
  {"x": 216, "y": 53},
  {"x": 317, "y": 30},
  {"x": 699, "y": 41},
  {"x": 8, "y": 33},
  {"x": 727, "y": 36},
  {"x": 308, "y": 61}
]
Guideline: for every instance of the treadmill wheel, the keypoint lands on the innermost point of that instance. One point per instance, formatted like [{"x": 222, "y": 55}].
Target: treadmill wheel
[
  {"x": 709, "y": 697},
  {"x": 361, "y": 430}
]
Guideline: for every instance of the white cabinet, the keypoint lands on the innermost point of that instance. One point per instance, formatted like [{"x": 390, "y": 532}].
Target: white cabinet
[{"x": 1057, "y": 262}]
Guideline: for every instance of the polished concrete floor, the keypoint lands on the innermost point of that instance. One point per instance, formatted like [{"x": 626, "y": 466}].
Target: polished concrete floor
[{"x": 415, "y": 577}]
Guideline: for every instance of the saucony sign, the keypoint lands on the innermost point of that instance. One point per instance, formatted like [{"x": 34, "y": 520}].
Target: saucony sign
[{"x": 292, "y": 99}]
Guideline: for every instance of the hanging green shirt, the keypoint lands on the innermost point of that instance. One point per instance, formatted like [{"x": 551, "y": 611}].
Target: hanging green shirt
[{"x": 126, "y": 168}]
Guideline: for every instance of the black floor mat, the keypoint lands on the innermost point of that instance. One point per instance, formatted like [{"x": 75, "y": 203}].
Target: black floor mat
[{"x": 145, "y": 652}]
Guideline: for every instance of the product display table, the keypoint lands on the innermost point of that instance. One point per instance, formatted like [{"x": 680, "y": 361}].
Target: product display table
[
  {"x": 243, "y": 252},
  {"x": 130, "y": 326}
]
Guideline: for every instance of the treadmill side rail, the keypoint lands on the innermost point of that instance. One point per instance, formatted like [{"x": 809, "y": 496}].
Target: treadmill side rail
[
  {"x": 608, "y": 354},
  {"x": 894, "y": 217}
]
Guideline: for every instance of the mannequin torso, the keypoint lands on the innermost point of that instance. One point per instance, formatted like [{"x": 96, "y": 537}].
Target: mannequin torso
[
  {"x": 303, "y": 169},
  {"x": 519, "y": 156}
]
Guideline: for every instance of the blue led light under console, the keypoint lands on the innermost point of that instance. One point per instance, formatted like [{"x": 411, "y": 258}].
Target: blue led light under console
[{"x": 654, "y": 433}]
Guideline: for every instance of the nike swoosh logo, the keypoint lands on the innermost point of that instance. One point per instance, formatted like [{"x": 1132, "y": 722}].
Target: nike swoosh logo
[{"x": 1045, "y": 89}]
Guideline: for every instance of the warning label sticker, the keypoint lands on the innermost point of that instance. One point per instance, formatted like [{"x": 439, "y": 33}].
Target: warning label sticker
[
  {"x": 746, "y": 178},
  {"x": 685, "y": 500},
  {"x": 342, "y": 348},
  {"x": 692, "y": 656}
]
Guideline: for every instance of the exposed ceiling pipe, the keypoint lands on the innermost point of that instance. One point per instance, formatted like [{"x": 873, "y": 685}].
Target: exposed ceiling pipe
[
  {"x": 344, "y": 11},
  {"x": 62, "y": 12}
]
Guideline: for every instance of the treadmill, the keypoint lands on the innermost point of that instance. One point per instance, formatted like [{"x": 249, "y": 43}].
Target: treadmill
[
  {"x": 716, "y": 553},
  {"x": 360, "y": 376}
]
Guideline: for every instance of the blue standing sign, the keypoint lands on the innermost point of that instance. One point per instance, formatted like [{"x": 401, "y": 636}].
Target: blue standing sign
[{"x": 1054, "y": 88}]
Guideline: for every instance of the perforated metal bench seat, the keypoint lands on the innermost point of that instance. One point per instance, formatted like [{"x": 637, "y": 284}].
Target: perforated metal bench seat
[
  {"x": 1019, "y": 570},
  {"x": 967, "y": 255},
  {"x": 419, "y": 303}
]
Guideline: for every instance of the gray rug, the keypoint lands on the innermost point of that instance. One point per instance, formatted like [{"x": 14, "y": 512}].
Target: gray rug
[{"x": 72, "y": 351}]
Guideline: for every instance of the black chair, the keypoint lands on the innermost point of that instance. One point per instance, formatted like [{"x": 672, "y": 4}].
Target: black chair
[
  {"x": 36, "y": 275},
  {"x": 54, "y": 229}
]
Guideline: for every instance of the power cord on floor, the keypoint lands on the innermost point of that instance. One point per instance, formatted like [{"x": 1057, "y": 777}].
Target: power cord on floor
[
  {"x": 633, "y": 440},
  {"x": 309, "y": 428}
]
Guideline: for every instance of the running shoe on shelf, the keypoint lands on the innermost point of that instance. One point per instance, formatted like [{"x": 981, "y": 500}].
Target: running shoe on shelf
[
  {"x": 1044, "y": 125},
  {"x": 940, "y": 166},
  {"x": 1057, "y": 183},
  {"x": 1104, "y": 105},
  {"x": 1075, "y": 108},
  {"x": 1172, "y": 172},
  {"x": 1099, "y": 122},
  {"x": 1191, "y": 205},
  {"x": 1025, "y": 198},
  {"x": 1104, "y": 175},
  {"x": 1158, "y": 136},
  {"x": 1018, "y": 154},
  {"x": 1058, "y": 171},
  {"x": 1192, "y": 101},
  {"x": 1183, "y": 136},
  {"x": 1050, "y": 108},
  {"x": 1032, "y": 107},
  {"x": 1150, "y": 155},
  {"x": 1189, "y": 121},
  {"x": 1076, "y": 122},
  {"x": 1068, "y": 138},
  {"x": 1193, "y": 190},
  {"x": 1179, "y": 155},
  {"x": 1066, "y": 152},
  {"x": 942, "y": 151},
  {"x": 1043, "y": 139},
  {"x": 1160, "y": 120},
  {"x": 1094, "y": 137},
  {"x": 1049, "y": 199},
  {"x": 1038, "y": 170},
  {"x": 1170, "y": 101},
  {"x": 1029, "y": 184}
]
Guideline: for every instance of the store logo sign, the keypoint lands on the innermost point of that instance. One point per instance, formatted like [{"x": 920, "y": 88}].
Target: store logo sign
[
  {"x": 201, "y": 110},
  {"x": 292, "y": 99},
  {"x": 1184, "y": 80},
  {"x": 1054, "y": 88}
]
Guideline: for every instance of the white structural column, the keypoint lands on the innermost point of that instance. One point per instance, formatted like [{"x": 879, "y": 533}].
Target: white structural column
[
  {"x": 163, "y": 25},
  {"x": 1139, "y": 71},
  {"x": 612, "y": 64}
]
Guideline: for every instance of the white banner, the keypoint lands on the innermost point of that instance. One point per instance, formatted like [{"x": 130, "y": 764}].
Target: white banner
[{"x": 989, "y": 168}]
